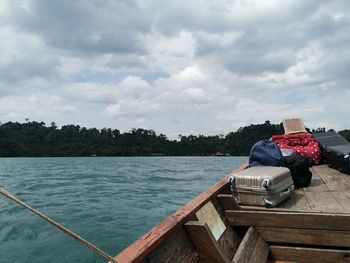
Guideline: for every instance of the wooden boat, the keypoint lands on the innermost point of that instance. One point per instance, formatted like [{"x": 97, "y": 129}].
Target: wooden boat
[{"x": 313, "y": 225}]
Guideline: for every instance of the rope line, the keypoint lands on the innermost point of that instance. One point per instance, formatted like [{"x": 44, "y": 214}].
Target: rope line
[{"x": 60, "y": 227}]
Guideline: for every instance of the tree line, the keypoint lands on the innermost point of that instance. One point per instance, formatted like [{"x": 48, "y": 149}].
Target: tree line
[{"x": 36, "y": 139}]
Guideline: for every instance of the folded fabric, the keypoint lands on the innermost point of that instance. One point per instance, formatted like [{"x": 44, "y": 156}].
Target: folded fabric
[{"x": 303, "y": 144}]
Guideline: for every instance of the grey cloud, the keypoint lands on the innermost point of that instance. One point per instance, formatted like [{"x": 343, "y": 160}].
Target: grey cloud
[
  {"x": 84, "y": 26},
  {"x": 182, "y": 65},
  {"x": 17, "y": 71}
]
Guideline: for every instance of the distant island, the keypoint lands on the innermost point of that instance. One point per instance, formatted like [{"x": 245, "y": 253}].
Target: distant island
[{"x": 35, "y": 139}]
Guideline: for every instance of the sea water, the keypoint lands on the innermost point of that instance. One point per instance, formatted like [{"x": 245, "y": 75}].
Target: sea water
[{"x": 110, "y": 202}]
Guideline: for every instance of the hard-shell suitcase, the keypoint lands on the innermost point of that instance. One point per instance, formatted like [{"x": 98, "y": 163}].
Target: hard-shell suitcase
[
  {"x": 328, "y": 139},
  {"x": 262, "y": 185},
  {"x": 338, "y": 157},
  {"x": 336, "y": 150}
]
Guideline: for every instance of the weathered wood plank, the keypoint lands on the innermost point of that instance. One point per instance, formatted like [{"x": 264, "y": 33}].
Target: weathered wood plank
[
  {"x": 260, "y": 252},
  {"x": 208, "y": 215},
  {"x": 316, "y": 184},
  {"x": 253, "y": 248},
  {"x": 289, "y": 219},
  {"x": 305, "y": 236},
  {"x": 303, "y": 254},
  {"x": 297, "y": 201},
  {"x": 229, "y": 242},
  {"x": 277, "y": 209},
  {"x": 324, "y": 201},
  {"x": 176, "y": 249},
  {"x": 334, "y": 180},
  {"x": 227, "y": 202},
  {"x": 148, "y": 242},
  {"x": 343, "y": 199},
  {"x": 205, "y": 242},
  {"x": 246, "y": 247}
]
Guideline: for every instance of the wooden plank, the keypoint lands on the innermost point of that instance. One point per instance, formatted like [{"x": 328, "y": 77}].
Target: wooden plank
[
  {"x": 343, "y": 199},
  {"x": 297, "y": 201},
  {"x": 289, "y": 219},
  {"x": 316, "y": 184},
  {"x": 227, "y": 202},
  {"x": 305, "y": 236},
  {"x": 261, "y": 251},
  {"x": 324, "y": 201},
  {"x": 304, "y": 254},
  {"x": 246, "y": 247},
  {"x": 334, "y": 180},
  {"x": 252, "y": 248},
  {"x": 208, "y": 215},
  {"x": 176, "y": 249},
  {"x": 277, "y": 209},
  {"x": 149, "y": 241},
  {"x": 205, "y": 242},
  {"x": 281, "y": 209},
  {"x": 229, "y": 242}
]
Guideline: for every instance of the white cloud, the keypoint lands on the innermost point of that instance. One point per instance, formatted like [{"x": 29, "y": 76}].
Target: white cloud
[
  {"x": 201, "y": 66},
  {"x": 37, "y": 106}
]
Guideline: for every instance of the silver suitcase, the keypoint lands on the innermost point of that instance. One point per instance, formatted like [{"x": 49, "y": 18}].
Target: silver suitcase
[{"x": 262, "y": 185}]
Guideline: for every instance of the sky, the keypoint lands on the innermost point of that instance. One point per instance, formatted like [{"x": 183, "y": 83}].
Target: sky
[{"x": 177, "y": 67}]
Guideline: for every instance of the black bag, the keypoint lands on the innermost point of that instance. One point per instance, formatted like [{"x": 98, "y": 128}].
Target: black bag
[
  {"x": 338, "y": 157},
  {"x": 336, "y": 150},
  {"x": 299, "y": 168},
  {"x": 265, "y": 153}
]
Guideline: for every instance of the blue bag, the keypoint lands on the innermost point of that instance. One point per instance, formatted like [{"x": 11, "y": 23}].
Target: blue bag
[{"x": 265, "y": 153}]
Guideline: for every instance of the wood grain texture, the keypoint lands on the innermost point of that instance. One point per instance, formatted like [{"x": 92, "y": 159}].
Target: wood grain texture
[
  {"x": 297, "y": 201},
  {"x": 260, "y": 252},
  {"x": 229, "y": 242},
  {"x": 324, "y": 201},
  {"x": 305, "y": 236},
  {"x": 227, "y": 202},
  {"x": 333, "y": 179},
  {"x": 148, "y": 242},
  {"x": 343, "y": 199},
  {"x": 252, "y": 248},
  {"x": 304, "y": 254},
  {"x": 176, "y": 249},
  {"x": 205, "y": 242},
  {"x": 208, "y": 215},
  {"x": 289, "y": 219},
  {"x": 316, "y": 184}
]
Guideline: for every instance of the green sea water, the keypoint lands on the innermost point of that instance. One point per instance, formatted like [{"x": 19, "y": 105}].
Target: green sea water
[{"x": 108, "y": 201}]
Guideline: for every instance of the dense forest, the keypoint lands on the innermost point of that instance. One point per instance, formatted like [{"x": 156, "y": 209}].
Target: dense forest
[{"x": 36, "y": 139}]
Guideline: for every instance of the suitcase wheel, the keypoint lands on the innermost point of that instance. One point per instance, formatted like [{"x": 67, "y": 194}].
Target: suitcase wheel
[{"x": 267, "y": 204}]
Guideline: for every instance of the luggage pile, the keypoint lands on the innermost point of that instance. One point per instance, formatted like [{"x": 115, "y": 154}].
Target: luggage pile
[
  {"x": 266, "y": 182},
  {"x": 278, "y": 165}
]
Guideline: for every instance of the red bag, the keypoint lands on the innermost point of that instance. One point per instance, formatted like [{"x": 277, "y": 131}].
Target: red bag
[{"x": 301, "y": 143}]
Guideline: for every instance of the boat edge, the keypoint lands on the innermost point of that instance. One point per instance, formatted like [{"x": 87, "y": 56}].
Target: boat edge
[{"x": 137, "y": 251}]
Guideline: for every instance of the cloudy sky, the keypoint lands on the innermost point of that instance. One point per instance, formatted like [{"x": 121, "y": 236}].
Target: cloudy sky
[{"x": 178, "y": 67}]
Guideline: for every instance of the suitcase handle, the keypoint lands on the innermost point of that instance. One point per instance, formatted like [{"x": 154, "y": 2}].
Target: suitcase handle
[{"x": 287, "y": 192}]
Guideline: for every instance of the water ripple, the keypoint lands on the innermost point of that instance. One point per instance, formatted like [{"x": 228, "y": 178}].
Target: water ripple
[{"x": 109, "y": 201}]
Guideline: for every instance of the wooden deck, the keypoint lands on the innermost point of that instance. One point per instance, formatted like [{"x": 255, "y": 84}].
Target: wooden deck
[
  {"x": 313, "y": 225},
  {"x": 329, "y": 191}
]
